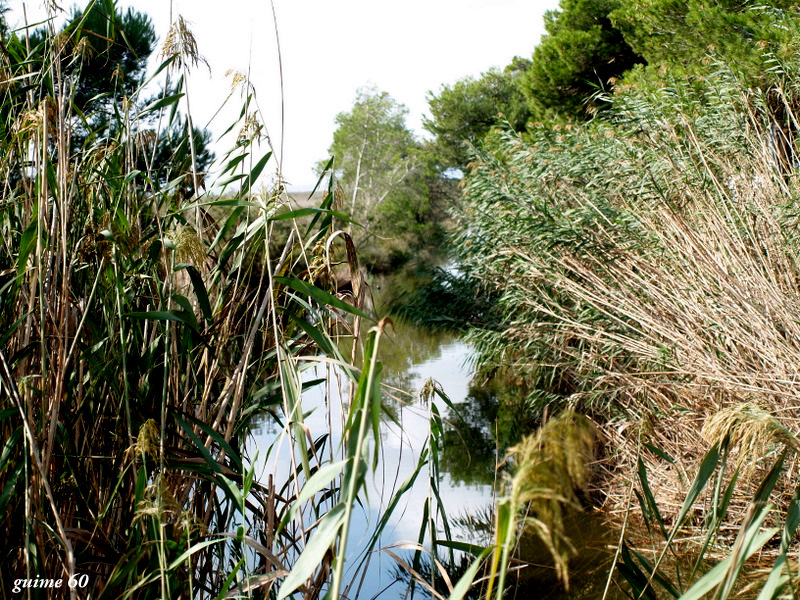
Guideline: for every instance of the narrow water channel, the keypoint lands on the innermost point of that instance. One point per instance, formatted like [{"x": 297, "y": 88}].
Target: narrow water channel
[
  {"x": 411, "y": 357},
  {"x": 468, "y": 461}
]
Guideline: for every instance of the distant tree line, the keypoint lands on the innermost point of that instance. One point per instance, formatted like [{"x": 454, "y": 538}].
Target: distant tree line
[
  {"x": 593, "y": 47},
  {"x": 399, "y": 188}
]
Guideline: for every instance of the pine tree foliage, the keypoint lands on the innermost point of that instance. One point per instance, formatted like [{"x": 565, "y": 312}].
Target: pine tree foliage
[
  {"x": 582, "y": 53},
  {"x": 464, "y": 112},
  {"x": 689, "y": 37}
]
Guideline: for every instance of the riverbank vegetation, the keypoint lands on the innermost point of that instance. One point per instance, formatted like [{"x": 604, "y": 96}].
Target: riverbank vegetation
[
  {"x": 626, "y": 245},
  {"x": 640, "y": 248},
  {"x": 146, "y": 322}
]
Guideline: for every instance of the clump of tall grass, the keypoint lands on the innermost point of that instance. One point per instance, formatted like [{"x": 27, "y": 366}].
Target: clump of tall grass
[
  {"x": 647, "y": 270},
  {"x": 145, "y": 323},
  {"x": 551, "y": 468}
]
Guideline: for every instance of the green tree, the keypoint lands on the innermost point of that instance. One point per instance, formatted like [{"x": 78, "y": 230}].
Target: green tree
[
  {"x": 103, "y": 54},
  {"x": 583, "y": 52},
  {"x": 386, "y": 175},
  {"x": 462, "y": 113},
  {"x": 685, "y": 36},
  {"x": 114, "y": 46}
]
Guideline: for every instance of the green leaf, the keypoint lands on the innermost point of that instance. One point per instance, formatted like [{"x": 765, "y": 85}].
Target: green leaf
[
  {"x": 227, "y": 585},
  {"x": 319, "y": 295},
  {"x": 186, "y": 318},
  {"x": 717, "y": 574},
  {"x": 235, "y": 201},
  {"x": 8, "y": 412},
  {"x": 226, "y": 484},
  {"x": 375, "y": 412},
  {"x": 10, "y": 489},
  {"x": 473, "y": 549},
  {"x": 324, "y": 343},
  {"x": 465, "y": 582},
  {"x": 651, "y": 501},
  {"x": 324, "y": 537},
  {"x": 26, "y": 245},
  {"x": 192, "y": 550},
  {"x": 164, "y": 64},
  {"x": 159, "y": 104},
  {"x": 131, "y": 176},
  {"x": 255, "y": 172},
  {"x": 776, "y": 582},
  {"x": 188, "y": 311},
  {"x": 660, "y": 453},
  {"x": 199, "y": 291},
  {"x": 11, "y": 442},
  {"x": 215, "y": 435},
  {"x": 314, "y": 485},
  {"x": 634, "y": 575},
  {"x": 664, "y": 582},
  {"x": 232, "y": 219},
  {"x": 704, "y": 473},
  {"x": 792, "y": 521}
]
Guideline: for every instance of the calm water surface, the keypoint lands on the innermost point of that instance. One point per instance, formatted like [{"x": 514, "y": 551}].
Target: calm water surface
[{"x": 410, "y": 357}]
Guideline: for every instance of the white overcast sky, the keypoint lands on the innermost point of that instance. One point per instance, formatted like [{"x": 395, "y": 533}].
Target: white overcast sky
[{"x": 330, "y": 48}]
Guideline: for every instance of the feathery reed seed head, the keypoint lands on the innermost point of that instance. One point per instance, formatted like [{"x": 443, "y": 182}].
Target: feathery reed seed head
[
  {"x": 180, "y": 42},
  {"x": 750, "y": 428},
  {"x": 147, "y": 441},
  {"x": 237, "y": 78},
  {"x": 189, "y": 248}
]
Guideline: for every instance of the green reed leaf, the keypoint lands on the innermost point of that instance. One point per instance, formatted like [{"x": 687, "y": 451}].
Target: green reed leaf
[
  {"x": 320, "y": 295},
  {"x": 320, "y": 542},
  {"x": 318, "y": 481},
  {"x": 465, "y": 581}
]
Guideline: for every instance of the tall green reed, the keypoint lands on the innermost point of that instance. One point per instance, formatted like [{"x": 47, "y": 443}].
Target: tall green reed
[{"x": 146, "y": 323}]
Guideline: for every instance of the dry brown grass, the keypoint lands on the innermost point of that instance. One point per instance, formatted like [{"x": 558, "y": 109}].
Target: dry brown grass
[{"x": 657, "y": 277}]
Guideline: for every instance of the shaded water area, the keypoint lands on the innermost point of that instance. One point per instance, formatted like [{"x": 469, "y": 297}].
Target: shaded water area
[{"x": 487, "y": 419}]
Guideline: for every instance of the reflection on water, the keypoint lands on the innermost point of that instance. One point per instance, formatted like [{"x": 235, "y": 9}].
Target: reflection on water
[
  {"x": 592, "y": 539},
  {"x": 594, "y": 543},
  {"x": 409, "y": 358},
  {"x": 488, "y": 418},
  {"x": 487, "y": 421}
]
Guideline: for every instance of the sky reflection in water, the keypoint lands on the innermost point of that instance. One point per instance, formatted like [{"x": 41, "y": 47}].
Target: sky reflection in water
[{"x": 410, "y": 356}]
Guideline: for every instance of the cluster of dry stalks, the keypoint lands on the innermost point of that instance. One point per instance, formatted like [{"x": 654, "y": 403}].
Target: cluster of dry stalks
[
  {"x": 707, "y": 322},
  {"x": 648, "y": 266}
]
